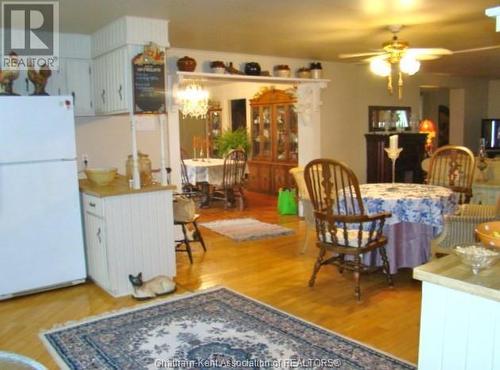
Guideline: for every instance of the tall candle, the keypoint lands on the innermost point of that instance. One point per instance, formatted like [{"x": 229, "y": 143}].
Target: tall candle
[{"x": 393, "y": 142}]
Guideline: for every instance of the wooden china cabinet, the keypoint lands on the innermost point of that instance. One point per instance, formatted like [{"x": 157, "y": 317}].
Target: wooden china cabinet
[{"x": 274, "y": 137}]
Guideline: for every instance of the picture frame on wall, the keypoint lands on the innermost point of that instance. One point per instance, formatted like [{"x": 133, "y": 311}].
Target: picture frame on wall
[{"x": 388, "y": 118}]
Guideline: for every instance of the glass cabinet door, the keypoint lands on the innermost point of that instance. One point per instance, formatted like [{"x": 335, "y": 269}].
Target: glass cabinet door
[
  {"x": 293, "y": 140},
  {"x": 281, "y": 133},
  {"x": 255, "y": 131},
  {"x": 266, "y": 147},
  {"x": 214, "y": 128}
]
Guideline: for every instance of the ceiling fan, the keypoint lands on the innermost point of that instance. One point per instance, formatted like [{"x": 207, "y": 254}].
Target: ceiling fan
[{"x": 397, "y": 56}]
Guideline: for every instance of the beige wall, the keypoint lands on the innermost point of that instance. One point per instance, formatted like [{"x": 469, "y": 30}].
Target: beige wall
[
  {"x": 493, "y": 99},
  {"x": 344, "y": 110}
]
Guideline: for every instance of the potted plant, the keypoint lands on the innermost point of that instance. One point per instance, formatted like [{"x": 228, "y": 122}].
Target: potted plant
[{"x": 230, "y": 140}]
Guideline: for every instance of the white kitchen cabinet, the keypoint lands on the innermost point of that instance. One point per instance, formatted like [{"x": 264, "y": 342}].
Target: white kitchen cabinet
[
  {"x": 127, "y": 234},
  {"x": 78, "y": 84},
  {"x": 112, "y": 48},
  {"x": 112, "y": 79},
  {"x": 460, "y": 319},
  {"x": 97, "y": 258},
  {"x": 73, "y": 76}
]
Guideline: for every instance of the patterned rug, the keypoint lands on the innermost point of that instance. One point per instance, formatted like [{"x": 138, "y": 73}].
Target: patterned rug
[
  {"x": 210, "y": 329},
  {"x": 242, "y": 229}
]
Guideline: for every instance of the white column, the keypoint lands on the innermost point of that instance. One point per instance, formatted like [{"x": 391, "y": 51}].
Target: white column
[
  {"x": 174, "y": 136},
  {"x": 163, "y": 164},
  {"x": 135, "y": 164},
  {"x": 309, "y": 120}
]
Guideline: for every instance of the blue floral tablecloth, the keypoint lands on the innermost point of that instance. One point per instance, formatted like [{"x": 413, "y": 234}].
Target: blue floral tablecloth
[
  {"x": 417, "y": 216},
  {"x": 415, "y": 203}
]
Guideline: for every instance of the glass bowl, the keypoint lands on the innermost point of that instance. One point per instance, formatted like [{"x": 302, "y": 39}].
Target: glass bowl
[{"x": 476, "y": 256}]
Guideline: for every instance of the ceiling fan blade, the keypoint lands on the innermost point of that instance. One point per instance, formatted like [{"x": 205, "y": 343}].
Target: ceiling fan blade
[
  {"x": 376, "y": 57},
  {"x": 358, "y": 55},
  {"x": 427, "y": 57},
  {"x": 428, "y": 51},
  {"x": 473, "y": 50}
]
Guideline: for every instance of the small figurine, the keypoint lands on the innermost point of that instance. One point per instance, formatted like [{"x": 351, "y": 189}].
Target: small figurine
[
  {"x": 39, "y": 79},
  {"x": 158, "y": 285},
  {"x": 7, "y": 77}
]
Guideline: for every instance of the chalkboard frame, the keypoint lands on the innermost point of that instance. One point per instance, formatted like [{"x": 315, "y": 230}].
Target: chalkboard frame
[{"x": 148, "y": 81}]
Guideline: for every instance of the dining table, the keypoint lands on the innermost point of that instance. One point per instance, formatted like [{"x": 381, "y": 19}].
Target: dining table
[
  {"x": 205, "y": 172},
  {"x": 418, "y": 212}
]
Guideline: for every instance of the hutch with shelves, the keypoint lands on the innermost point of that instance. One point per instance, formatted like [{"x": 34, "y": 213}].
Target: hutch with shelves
[{"x": 274, "y": 139}]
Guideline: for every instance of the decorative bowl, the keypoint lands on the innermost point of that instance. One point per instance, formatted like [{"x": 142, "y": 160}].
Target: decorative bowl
[
  {"x": 477, "y": 257},
  {"x": 101, "y": 176},
  {"x": 489, "y": 233},
  {"x": 186, "y": 64}
]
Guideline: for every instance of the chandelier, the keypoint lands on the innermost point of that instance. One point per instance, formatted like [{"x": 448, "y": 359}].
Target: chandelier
[
  {"x": 385, "y": 67},
  {"x": 193, "y": 100}
]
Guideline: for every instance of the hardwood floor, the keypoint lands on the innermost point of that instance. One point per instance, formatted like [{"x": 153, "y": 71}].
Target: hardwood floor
[{"x": 272, "y": 271}]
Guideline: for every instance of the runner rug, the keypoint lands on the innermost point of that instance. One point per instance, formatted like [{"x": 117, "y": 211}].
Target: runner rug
[{"x": 241, "y": 229}]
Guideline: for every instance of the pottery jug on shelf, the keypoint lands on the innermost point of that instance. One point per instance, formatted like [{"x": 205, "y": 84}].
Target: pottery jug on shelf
[
  {"x": 252, "y": 69},
  {"x": 144, "y": 164},
  {"x": 186, "y": 64}
]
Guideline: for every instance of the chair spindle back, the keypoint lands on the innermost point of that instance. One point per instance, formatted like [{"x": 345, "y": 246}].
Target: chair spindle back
[
  {"x": 453, "y": 166},
  {"x": 234, "y": 168}
]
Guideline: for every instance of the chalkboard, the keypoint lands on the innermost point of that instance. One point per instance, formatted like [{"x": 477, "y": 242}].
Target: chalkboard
[{"x": 149, "y": 88}]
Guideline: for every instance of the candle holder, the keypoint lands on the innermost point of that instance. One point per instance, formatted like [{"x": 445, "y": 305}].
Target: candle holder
[{"x": 393, "y": 154}]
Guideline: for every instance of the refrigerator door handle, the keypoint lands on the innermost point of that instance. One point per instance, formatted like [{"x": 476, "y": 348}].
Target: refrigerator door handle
[{"x": 99, "y": 235}]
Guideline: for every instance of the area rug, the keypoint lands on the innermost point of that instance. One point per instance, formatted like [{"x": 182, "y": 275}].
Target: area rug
[
  {"x": 242, "y": 229},
  {"x": 210, "y": 329}
]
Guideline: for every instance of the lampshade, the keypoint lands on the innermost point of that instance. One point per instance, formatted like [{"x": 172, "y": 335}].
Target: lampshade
[
  {"x": 193, "y": 100},
  {"x": 380, "y": 67},
  {"x": 409, "y": 65},
  {"x": 428, "y": 127}
]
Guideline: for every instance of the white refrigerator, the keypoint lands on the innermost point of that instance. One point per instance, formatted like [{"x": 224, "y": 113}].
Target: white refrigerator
[{"x": 41, "y": 240}]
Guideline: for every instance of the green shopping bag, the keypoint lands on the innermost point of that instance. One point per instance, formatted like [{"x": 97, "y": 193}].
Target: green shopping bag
[{"x": 287, "y": 201}]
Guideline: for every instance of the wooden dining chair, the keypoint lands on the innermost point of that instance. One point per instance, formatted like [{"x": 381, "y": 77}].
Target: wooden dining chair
[
  {"x": 188, "y": 189},
  {"x": 232, "y": 186},
  {"x": 453, "y": 166},
  {"x": 342, "y": 226}
]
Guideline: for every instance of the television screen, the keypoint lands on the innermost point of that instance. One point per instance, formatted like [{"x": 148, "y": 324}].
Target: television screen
[{"x": 491, "y": 133}]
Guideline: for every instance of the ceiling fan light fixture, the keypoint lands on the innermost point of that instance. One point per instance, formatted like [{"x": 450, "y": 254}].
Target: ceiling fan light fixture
[
  {"x": 409, "y": 65},
  {"x": 380, "y": 67}
]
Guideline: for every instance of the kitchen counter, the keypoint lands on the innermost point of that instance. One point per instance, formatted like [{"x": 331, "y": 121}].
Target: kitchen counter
[
  {"x": 460, "y": 318},
  {"x": 449, "y": 272},
  {"x": 119, "y": 186},
  {"x": 126, "y": 232}
]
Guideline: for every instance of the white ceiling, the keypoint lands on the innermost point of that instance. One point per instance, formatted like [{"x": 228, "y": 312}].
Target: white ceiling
[{"x": 313, "y": 29}]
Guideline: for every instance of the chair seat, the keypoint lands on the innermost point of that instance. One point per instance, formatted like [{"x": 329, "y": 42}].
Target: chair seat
[
  {"x": 352, "y": 236},
  {"x": 195, "y": 218}
]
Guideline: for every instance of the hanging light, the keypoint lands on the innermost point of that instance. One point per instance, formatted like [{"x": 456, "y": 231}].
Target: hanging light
[
  {"x": 409, "y": 65},
  {"x": 380, "y": 67},
  {"x": 193, "y": 100}
]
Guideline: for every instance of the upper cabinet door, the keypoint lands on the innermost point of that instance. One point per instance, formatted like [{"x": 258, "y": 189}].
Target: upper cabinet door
[
  {"x": 56, "y": 85},
  {"x": 110, "y": 76},
  {"x": 78, "y": 77}
]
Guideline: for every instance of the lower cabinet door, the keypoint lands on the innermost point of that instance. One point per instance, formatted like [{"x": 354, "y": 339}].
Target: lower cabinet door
[
  {"x": 95, "y": 244},
  {"x": 280, "y": 178}
]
